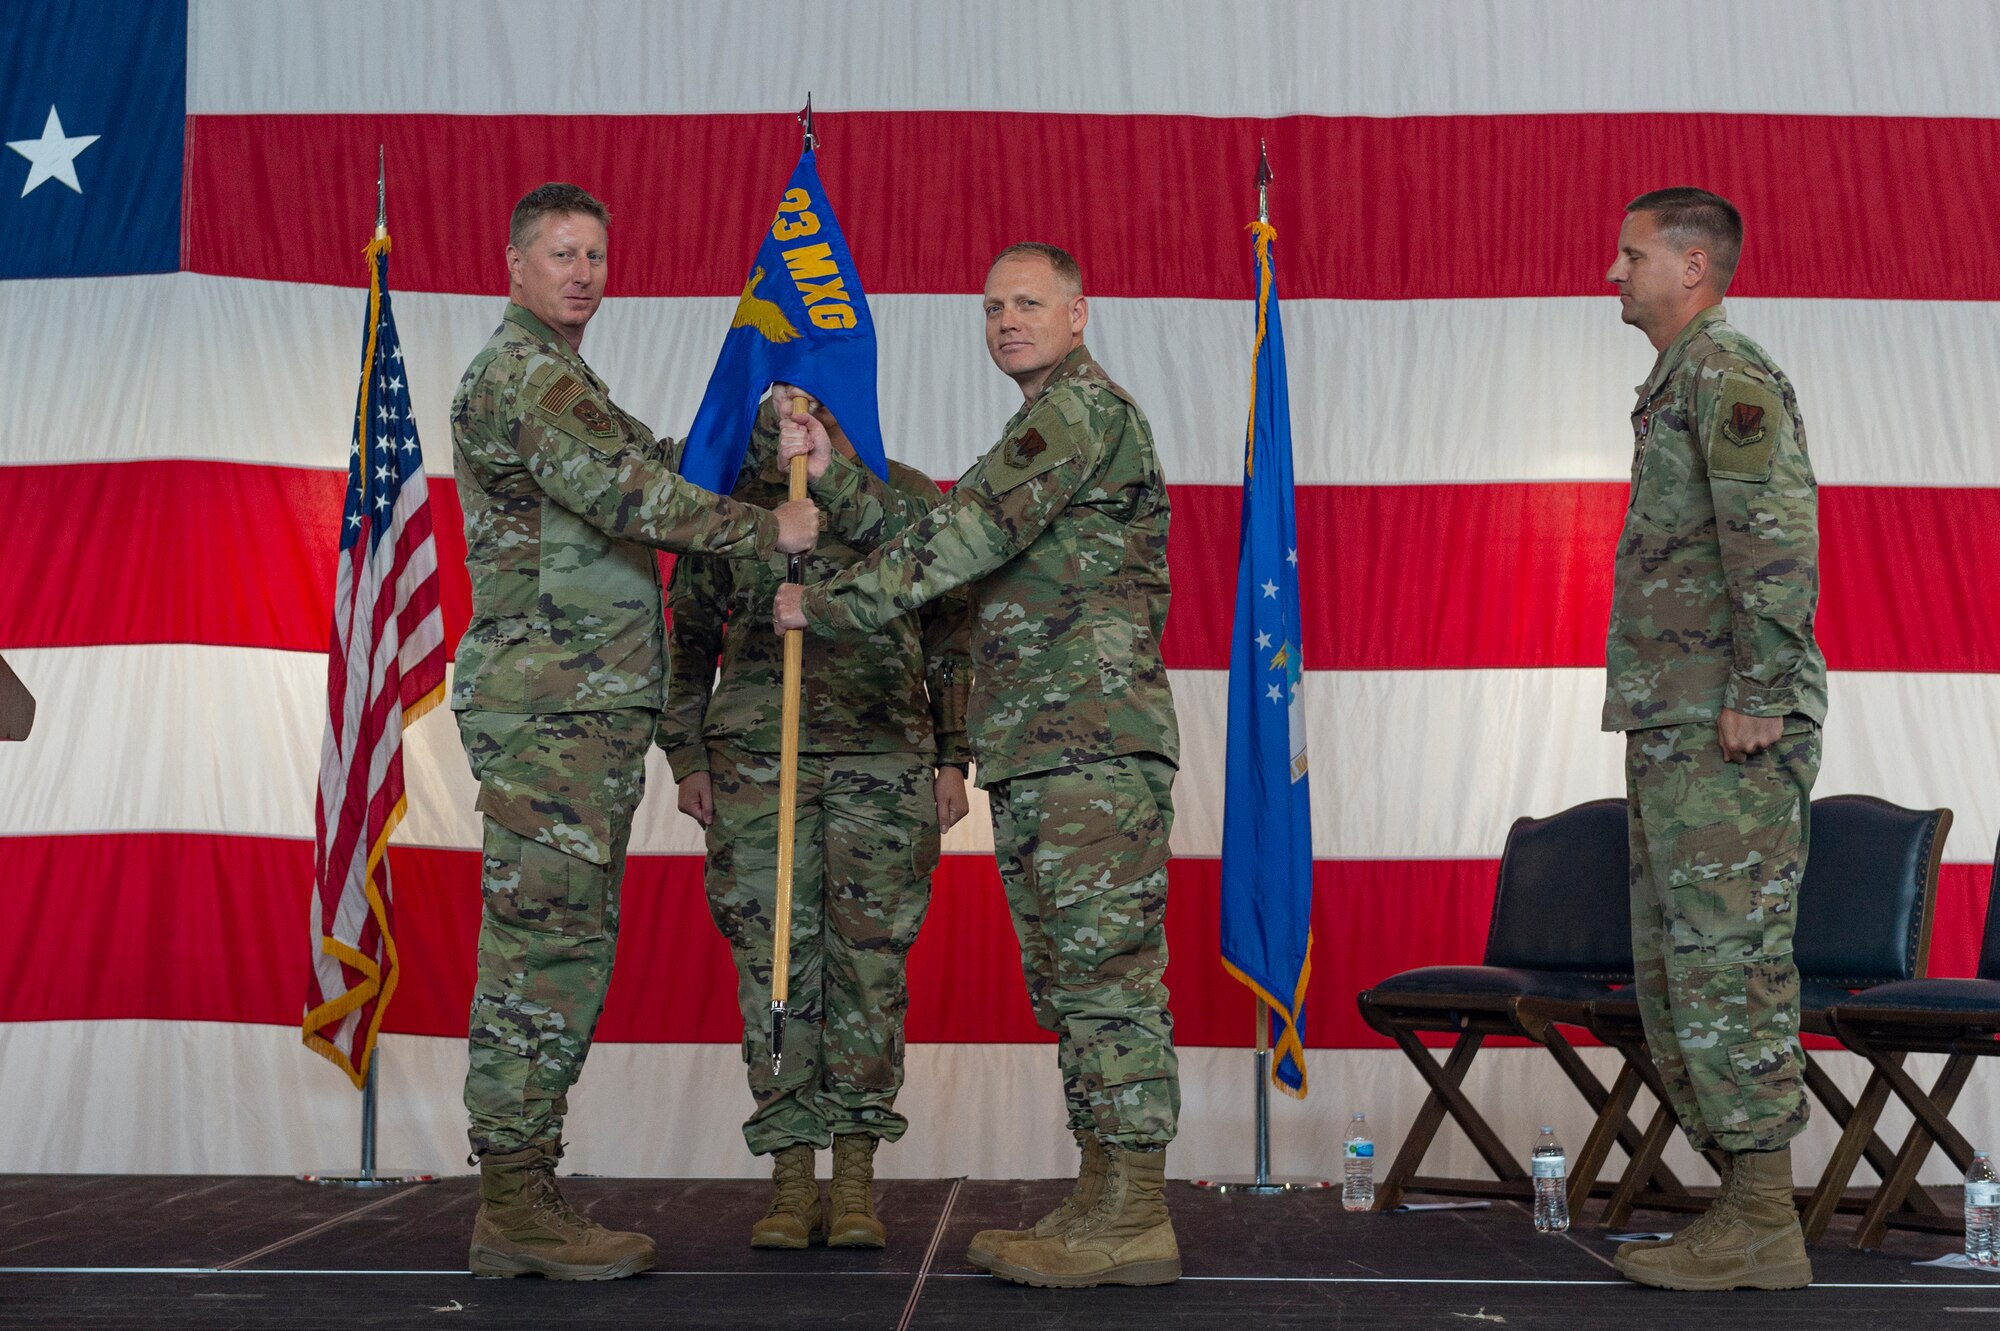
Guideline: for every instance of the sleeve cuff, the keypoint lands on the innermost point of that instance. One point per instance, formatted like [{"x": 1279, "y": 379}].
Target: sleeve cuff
[
  {"x": 686, "y": 760},
  {"x": 837, "y": 484},
  {"x": 1754, "y": 698}
]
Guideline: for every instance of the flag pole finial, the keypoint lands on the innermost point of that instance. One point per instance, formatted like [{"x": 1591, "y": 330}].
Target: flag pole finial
[
  {"x": 1263, "y": 184},
  {"x": 806, "y": 118},
  {"x": 381, "y": 192}
]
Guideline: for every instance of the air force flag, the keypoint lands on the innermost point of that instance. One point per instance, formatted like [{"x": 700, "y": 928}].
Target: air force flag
[
  {"x": 802, "y": 320},
  {"x": 1267, "y": 809}
]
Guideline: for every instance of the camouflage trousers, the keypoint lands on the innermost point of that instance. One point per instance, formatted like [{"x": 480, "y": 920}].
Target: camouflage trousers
[
  {"x": 1718, "y": 852},
  {"x": 1083, "y": 857},
  {"x": 866, "y": 843},
  {"x": 558, "y": 793}
]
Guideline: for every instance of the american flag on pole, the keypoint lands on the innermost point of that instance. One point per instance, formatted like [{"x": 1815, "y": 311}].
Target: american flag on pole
[{"x": 385, "y": 668}]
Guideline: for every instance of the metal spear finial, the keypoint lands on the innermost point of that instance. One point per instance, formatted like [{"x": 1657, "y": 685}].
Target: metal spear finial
[
  {"x": 806, "y": 119},
  {"x": 1263, "y": 184},
  {"x": 381, "y": 192}
]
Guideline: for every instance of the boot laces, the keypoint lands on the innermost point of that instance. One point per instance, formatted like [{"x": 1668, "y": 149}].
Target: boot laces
[
  {"x": 852, "y": 1189},
  {"x": 552, "y": 1211},
  {"x": 1110, "y": 1199},
  {"x": 797, "y": 1189}
]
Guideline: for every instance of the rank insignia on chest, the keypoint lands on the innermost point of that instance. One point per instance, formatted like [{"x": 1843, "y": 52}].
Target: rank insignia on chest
[
  {"x": 1028, "y": 447},
  {"x": 593, "y": 418},
  {"x": 1745, "y": 425}
]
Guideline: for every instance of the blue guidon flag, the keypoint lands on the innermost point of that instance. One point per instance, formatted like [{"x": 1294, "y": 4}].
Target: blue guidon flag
[
  {"x": 802, "y": 320},
  {"x": 1267, "y": 806}
]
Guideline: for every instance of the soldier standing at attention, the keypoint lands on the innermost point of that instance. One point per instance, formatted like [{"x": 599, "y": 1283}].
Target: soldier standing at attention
[
  {"x": 882, "y": 759},
  {"x": 1720, "y": 689},
  {"x": 559, "y": 680},
  {"x": 1060, "y": 535}
]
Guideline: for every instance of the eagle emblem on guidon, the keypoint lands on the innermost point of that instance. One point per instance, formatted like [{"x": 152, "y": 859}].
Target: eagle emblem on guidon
[
  {"x": 753, "y": 311},
  {"x": 1295, "y": 712}
]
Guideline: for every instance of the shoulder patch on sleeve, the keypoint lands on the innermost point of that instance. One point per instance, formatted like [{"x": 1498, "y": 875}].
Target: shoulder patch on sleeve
[
  {"x": 564, "y": 402},
  {"x": 1749, "y": 417},
  {"x": 1029, "y": 452}
]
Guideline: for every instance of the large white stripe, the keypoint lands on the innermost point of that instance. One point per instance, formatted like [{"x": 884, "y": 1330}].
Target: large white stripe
[
  {"x": 1383, "y": 392},
  {"x": 1200, "y": 57},
  {"x": 1406, "y": 764},
  {"x": 232, "y": 1099}
]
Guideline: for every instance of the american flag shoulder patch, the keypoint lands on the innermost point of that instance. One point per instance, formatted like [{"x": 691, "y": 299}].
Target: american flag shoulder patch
[{"x": 558, "y": 396}]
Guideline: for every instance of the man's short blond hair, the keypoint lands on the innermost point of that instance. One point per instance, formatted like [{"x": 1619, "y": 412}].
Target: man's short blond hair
[
  {"x": 556, "y": 198},
  {"x": 1693, "y": 218},
  {"x": 1058, "y": 258}
]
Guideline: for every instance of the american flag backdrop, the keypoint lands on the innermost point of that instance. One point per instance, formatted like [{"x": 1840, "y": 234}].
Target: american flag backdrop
[{"x": 178, "y": 376}]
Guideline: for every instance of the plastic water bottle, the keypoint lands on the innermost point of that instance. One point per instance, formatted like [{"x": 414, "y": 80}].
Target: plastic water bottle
[
  {"x": 1357, "y": 1185},
  {"x": 1550, "y": 1166},
  {"x": 1982, "y": 1212}
]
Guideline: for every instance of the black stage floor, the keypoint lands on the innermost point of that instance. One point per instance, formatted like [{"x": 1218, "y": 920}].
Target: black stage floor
[{"x": 88, "y": 1251}]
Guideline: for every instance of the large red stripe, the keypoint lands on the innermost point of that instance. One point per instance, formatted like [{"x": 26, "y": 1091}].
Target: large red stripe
[
  {"x": 1397, "y": 577},
  {"x": 205, "y": 928},
  {"x": 1367, "y": 208}
]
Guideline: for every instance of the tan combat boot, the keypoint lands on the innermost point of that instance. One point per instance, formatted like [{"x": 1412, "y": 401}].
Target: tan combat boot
[
  {"x": 1125, "y": 1239},
  {"x": 1752, "y": 1242},
  {"x": 1090, "y": 1171},
  {"x": 796, "y": 1217},
  {"x": 853, "y": 1223},
  {"x": 526, "y": 1228},
  {"x": 1700, "y": 1225}
]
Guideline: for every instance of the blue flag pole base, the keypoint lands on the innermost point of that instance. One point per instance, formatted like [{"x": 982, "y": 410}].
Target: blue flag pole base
[{"x": 1263, "y": 1183}]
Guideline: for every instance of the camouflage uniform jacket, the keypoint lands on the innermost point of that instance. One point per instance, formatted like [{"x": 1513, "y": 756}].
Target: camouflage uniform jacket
[
  {"x": 564, "y": 496},
  {"x": 899, "y": 689},
  {"x": 1717, "y": 573},
  {"x": 1060, "y": 533}
]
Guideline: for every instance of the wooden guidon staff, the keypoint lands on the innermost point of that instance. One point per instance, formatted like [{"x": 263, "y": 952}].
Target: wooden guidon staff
[{"x": 788, "y": 787}]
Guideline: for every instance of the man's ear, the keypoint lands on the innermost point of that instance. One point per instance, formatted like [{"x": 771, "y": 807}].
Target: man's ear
[
  {"x": 1694, "y": 273},
  {"x": 1079, "y": 314},
  {"x": 513, "y": 263}
]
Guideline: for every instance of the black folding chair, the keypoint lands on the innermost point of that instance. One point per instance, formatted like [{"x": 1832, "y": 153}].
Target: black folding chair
[
  {"x": 1959, "y": 1018},
  {"x": 1864, "y": 919},
  {"x": 1560, "y": 930}
]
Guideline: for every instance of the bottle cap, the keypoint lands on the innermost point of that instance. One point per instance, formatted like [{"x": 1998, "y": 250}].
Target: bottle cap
[{"x": 1547, "y": 1128}]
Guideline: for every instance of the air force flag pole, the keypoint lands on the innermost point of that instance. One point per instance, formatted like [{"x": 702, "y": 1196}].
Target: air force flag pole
[
  {"x": 1267, "y": 822},
  {"x": 802, "y": 320}
]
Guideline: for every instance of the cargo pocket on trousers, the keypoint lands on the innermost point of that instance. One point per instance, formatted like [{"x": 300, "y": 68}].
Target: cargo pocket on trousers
[
  {"x": 551, "y": 892},
  {"x": 1766, "y": 1073}
]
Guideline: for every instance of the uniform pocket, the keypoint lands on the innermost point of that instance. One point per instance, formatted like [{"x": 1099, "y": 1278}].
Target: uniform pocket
[
  {"x": 1100, "y": 830},
  {"x": 537, "y": 887},
  {"x": 1659, "y": 495}
]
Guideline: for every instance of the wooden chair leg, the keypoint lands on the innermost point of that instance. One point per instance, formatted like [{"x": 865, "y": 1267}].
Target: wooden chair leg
[
  {"x": 1613, "y": 1117},
  {"x": 1860, "y": 1129},
  {"x": 1880, "y": 1158},
  {"x": 1932, "y": 1126},
  {"x": 1658, "y": 1132},
  {"x": 1445, "y": 1084},
  {"x": 1424, "y": 1128}
]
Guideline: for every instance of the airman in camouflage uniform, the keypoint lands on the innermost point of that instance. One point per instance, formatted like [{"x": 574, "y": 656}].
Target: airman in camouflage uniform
[
  {"x": 1715, "y": 678},
  {"x": 882, "y": 757},
  {"x": 558, "y": 683},
  {"x": 1060, "y": 535}
]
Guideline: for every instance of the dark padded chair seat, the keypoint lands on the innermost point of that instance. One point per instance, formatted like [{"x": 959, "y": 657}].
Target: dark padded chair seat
[
  {"x": 1930, "y": 996},
  {"x": 1493, "y": 982}
]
